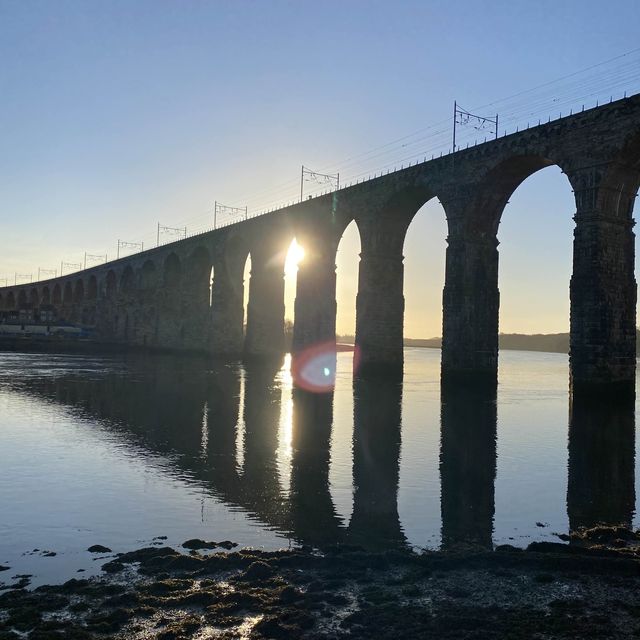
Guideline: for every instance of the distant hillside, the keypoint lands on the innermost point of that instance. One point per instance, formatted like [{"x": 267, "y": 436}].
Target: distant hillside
[{"x": 549, "y": 342}]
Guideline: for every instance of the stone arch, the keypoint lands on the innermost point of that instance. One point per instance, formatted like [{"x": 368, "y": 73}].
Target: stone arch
[
  {"x": 34, "y": 298},
  {"x": 67, "y": 296},
  {"x": 22, "y": 299},
  {"x": 11, "y": 301},
  {"x": 148, "y": 276},
  {"x": 172, "y": 271},
  {"x": 111, "y": 287},
  {"x": 78, "y": 291},
  {"x": 46, "y": 296},
  {"x": 127, "y": 281},
  {"x": 492, "y": 193},
  {"x": 57, "y": 294},
  {"x": 621, "y": 181},
  {"x": 92, "y": 288},
  {"x": 2, "y": 301},
  {"x": 471, "y": 297}
]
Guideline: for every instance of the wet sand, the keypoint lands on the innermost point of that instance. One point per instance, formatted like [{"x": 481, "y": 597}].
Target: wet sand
[{"x": 589, "y": 587}]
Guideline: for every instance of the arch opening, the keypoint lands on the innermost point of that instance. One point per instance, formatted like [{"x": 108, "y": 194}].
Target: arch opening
[
  {"x": 127, "y": 281},
  {"x": 67, "y": 296},
  {"x": 172, "y": 271},
  {"x": 148, "y": 276},
  {"x": 536, "y": 246},
  {"x": 198, "y": 276},
  {"x": 295, "y": 255},
  {"x": 347, "y": 266},
  {"x": 78, "y": 291},
  {"x": 57, "y": 294},
  {"x": 424, "y": 253},
  {"x": 92, "y": 290},
  {"x": 246, "y": 277},
  {"x": 111, "y": 285}
]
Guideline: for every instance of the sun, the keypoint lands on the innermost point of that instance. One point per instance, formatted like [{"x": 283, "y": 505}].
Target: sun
[{"x": 295, "y": 255}]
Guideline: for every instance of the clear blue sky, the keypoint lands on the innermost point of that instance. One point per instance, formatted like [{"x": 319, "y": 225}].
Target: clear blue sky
[{"x": 116, "y": 115}]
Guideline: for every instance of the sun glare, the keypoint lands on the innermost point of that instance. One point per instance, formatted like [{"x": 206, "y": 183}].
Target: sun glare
[{"x": 295, "y": 255}]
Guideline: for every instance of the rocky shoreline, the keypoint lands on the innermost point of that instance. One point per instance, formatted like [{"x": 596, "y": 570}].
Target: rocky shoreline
[{"x": 588, "y": 587}]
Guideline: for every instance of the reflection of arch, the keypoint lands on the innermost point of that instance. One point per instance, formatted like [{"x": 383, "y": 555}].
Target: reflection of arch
[
  {"x": 92, "y": 290},
  {"x": 172, "y": 271},
  {"x": 46, "y": 296},
  {"x": 78, "y": 291},
  {"x": 34, "y": 298},
  {"x": 148, "y": 276},
  {"x": 112, "y": 284},
  {"x": 67, "y": 297},
  {"x": 22, "y": 299},
  {"x": 57, "y": 294},
  {"x": 127, "y": 281}
]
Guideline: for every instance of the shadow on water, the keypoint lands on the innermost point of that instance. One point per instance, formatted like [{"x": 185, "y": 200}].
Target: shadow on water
[{"x": 222, "y": 426}]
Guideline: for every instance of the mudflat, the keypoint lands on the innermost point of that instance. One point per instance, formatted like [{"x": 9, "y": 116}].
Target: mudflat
[{"x": 587, "y": 588}]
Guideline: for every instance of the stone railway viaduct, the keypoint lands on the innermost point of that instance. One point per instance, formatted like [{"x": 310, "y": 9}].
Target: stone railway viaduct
[{"x": 162, "y": 298}]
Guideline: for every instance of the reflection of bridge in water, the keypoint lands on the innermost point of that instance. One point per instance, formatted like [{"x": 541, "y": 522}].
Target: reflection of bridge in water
[{"x": 224, "y": 427}]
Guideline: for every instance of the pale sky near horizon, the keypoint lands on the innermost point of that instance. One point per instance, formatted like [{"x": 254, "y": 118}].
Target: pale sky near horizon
[{"x": 115, "y": 115}]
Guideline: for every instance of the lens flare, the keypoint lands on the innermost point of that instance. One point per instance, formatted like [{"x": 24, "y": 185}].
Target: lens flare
[{"x": 314, "y": 368}]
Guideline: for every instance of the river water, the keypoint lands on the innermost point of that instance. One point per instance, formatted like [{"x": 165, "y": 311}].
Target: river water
[{"x": 120, "y": 451}]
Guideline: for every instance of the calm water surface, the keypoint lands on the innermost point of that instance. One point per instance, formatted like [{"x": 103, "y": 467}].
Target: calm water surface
[{"x": 117, "y": 451}]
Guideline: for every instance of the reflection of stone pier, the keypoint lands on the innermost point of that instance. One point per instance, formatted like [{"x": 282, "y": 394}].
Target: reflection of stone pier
[
  {"x": 601, "y": 488},
  {"x": 312, "y": 513},
  {"x": 262, "y": 406},
  {"x": 376, "y": 463},
  {"x": 220, "y": 424},
  {"x": 468, "y": 465}
]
